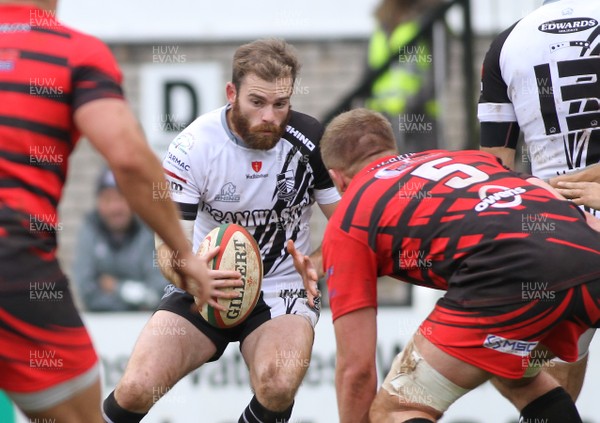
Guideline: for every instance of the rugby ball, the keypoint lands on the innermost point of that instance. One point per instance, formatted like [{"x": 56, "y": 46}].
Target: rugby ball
[{"x": 239, "y": 251}]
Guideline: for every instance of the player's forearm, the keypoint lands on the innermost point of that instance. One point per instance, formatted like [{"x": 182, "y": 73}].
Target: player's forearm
[
  {"x": 588, "y": 174},
  {"x": 165, "y": 258}
]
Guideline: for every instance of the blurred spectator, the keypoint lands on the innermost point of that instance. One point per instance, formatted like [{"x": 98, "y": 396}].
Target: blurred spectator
[
  {"x": 405, "y": 92},
  {"x": 114, "y": 260}
]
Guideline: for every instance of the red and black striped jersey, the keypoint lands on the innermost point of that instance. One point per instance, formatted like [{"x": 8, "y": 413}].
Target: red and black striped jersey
[
  {"x": 47, "y": 71},
  {"x": 456, "y": 221}
]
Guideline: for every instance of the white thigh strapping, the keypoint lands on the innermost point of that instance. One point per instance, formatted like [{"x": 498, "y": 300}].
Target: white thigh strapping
[{"x": 415, "y": 382}]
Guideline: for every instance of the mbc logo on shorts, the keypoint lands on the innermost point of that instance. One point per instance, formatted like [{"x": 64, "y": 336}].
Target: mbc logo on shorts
[{"x": 509, "y": 346}]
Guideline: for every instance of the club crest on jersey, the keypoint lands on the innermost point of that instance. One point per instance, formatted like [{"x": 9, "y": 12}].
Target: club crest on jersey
[
  {"x": 183, "y": 142},
  {"x": 257, "y": 166},
  {"x": 285, "y": 185},
  {"x": 228, "y": 194},
  {"x": 501, "y": 197}
]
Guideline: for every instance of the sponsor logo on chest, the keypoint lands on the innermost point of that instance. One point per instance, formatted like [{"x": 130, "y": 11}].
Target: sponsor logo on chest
[
  {"x": 566, "y": 26},
  {"x": 256, "y": 167},
  {"x": 500, "y": 197},
  {"x": 181, "y": 164}
]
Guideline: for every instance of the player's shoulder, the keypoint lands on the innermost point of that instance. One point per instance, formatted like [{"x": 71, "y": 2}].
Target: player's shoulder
[
  {"x": 303, "y": 131},
  {"x": 304, "y": 121},
  {"x": 203, "y": 133},
  {"x": 84, "y": 51},
  {"x": 82, "y": 42},
  {"x": 492, "y": 58},
  {"x": 207, "y": 122},
  {"x": 561, "y": 18}
]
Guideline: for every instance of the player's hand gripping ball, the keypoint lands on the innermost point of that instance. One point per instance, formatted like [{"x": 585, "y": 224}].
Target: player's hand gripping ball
[{"x": 239, "y": 251}]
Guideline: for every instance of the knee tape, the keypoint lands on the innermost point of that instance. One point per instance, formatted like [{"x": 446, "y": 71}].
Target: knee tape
[{"x": 415, "y": 382}]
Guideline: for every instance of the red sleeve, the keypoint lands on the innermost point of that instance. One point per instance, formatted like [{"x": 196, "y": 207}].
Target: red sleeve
[
  {"x": 351, "y": 268},
  {"x": 95, "y": 73}
]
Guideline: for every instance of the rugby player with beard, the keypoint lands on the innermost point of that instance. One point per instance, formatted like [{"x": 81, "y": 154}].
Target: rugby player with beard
[{"x": 254, "y": 162}]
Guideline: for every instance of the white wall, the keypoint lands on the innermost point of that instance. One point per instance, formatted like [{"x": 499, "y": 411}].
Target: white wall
[
  {"x": 209, "y": 21},
  {"x": 204, "y": 20}
]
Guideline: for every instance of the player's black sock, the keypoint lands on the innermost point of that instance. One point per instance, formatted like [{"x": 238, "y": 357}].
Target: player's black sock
[
  {"x": 113, "y": 413},
  {"x": 256, "y": 413},
  {"x": 555, "y": 406}
]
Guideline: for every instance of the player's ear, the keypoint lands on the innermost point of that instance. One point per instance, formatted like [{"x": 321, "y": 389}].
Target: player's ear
[
  {"x": 230, "y": 92},
  {"x": 339, "y": 179}
]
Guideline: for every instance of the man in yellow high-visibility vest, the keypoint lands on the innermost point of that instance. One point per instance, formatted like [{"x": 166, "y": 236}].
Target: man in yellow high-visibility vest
[{"x": 404, "y": 93}]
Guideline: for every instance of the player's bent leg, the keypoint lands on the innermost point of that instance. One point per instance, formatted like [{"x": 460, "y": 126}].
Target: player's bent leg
[
  {"x": 168, "y": 348},
  {"x": 521, "y": 392},
  {"x": 74, "y": 401},
  {"x": 422, "y": 383},
  {"x": 571, "y": 375},
  {"x": 48, "y": 365},
  {"x": 384, "y": 409},
  {"x": 83, "y": 407},
  {"x": 538, "y": 395},
  {"x": 555, "y": 406},
  {"x": 277, "y": 354},
  {"x": 541, "y": 398}
]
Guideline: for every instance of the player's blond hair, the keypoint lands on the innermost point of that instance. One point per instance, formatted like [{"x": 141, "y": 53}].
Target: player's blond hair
[
  {"x": 269, "y": 59},
  {"x": 354, "y": 138}
]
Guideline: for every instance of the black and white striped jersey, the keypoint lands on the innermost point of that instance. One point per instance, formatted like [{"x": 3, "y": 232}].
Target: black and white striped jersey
[
  {"x": 544, "y": 74},
  {"x": 216, "y": 180}
]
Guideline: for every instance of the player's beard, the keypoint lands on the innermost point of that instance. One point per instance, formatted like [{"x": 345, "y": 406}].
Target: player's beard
[{"x": 260, "y": 137}]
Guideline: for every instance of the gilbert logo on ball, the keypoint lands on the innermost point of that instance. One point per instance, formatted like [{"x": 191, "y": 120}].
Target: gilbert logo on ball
[{"x": 239, "y": 251}]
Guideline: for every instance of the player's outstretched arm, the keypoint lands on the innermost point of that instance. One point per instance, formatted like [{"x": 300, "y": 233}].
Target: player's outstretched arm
[
  {"x": 306, "y": 268},
  {"x": 218, "y": 279},
  {"x": 114, "y": 131},
  {"x": 587, "y": 174},
  {"x": 568, "y": 193},
  {"x": 581, "y": 193},
  {"x": 355, "y": 370},
  {"x": 311, "y": 267}
]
